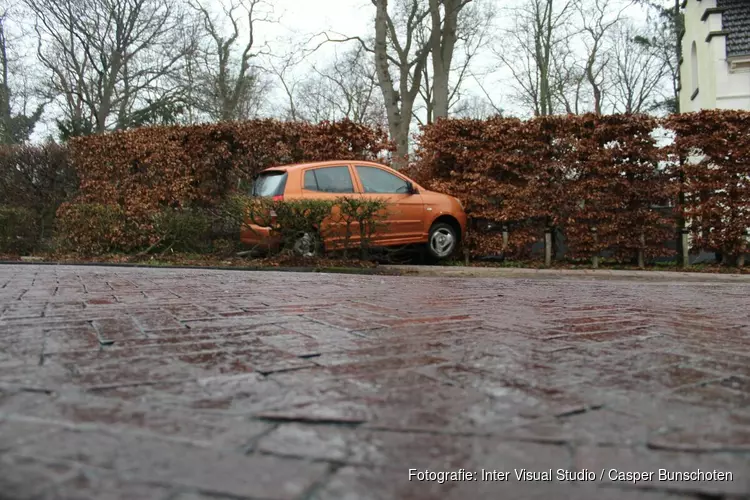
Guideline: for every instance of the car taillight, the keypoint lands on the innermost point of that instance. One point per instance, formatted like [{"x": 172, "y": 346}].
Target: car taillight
[{"x": 278, "y": 197}]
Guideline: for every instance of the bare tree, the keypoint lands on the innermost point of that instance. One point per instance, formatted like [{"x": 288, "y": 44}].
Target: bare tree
[
  {"x": 229, "y": 85},
  {"x": 17, "y": 121},
  {"x": 638, "y": 73},
  {"x": 666, "y": 23},
  {"x": 488, "y": 101},
  {"x": 597, "y": 18},
  {"x": 406, "y": 33},
  {"x": 394, "y": 53},
  {"x": 283, "y": 68},
  {"x": 111, "y": 62},
  {"x": 346, "y": 88},
  {"x": 541, "y": 33},
  {"x": 477, "y": 107},
  {"x": 567, "y": 85},
  {"x": 465, "y": 32},
  {"x": 445, "y": 16},
  {"x": 400, "y": 57}
]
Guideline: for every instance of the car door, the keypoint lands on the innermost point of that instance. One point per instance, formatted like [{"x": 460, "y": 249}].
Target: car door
[
  {"x": 329, "y": 182},
  {"x": 404, "y": 221}
]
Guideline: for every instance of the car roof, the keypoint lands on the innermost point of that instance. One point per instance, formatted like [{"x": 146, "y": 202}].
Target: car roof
[{"x": 298, "y": 166}]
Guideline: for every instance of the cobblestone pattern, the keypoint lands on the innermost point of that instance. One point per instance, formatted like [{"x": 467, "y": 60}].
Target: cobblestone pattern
[{"x": 162, "y": 384}]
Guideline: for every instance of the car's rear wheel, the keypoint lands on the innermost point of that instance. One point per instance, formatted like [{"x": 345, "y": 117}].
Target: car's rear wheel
[
  {"x": 442, "y": 241},
  {"x": 307, "y": 245}
]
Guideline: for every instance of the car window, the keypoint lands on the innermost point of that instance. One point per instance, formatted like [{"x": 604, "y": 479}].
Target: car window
[
  {"x": 269, "y": 183},
  {"x": 376, "y": 180},
  {"x": 329, "y": 180}
]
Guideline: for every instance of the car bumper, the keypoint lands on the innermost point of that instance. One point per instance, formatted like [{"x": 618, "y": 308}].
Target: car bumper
[{"x": 258, "y": 236}]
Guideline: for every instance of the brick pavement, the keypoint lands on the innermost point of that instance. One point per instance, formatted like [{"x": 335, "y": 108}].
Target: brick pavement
[{"x": 120, "y": 383}]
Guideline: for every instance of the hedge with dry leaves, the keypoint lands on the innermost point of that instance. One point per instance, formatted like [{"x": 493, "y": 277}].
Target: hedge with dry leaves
[
  {"x": 710, "y": 157},
  {"x": 603, "y": 180},
  {"x": 144, "y": 170}
]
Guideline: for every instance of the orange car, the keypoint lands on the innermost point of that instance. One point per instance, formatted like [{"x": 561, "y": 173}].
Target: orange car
[{"x": 414, "y": 216}]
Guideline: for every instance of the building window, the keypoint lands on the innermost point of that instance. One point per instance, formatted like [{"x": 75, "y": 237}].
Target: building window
[
  {"x": 694, "y": 70},
  {"x": 739, "y": 65}
]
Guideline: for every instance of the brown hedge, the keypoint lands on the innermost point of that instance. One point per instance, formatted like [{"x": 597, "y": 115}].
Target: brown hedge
[
  {"x": 710, "y": 158},
  {"x": 589, "y": 172},
  {"x": 143, "y": 170},
  {"x": 573, "y": 173}
]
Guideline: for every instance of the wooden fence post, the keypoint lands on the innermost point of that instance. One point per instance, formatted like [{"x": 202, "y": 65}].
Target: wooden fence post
[
  {"x": 548, "y": 246},
  {"x": 743, "y": 249},
  {"x": 595, "y": 258},
  {"x": 685, "y": 248},
  {"x": 642, "y": 251}
]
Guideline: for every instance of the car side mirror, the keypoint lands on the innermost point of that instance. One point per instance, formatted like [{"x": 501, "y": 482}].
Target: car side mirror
[{"x": 410, "y": 188}]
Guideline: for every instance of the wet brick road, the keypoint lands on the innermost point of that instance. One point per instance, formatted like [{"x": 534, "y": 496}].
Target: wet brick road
[{"x": 123, "y": 383}]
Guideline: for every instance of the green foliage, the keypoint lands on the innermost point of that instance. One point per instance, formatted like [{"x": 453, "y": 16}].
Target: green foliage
[
  {"x": 18, "y": 231},
  {"x": 16, "y": 129},
  {"x": 296, "y": 220},
  {"x": 92, "y": 229},
  {"x": 314, "y": 220},
  {"x": 186, "y": 230},
  {"x": 70, "y": 128},
  {"x": 234, "y": 211},
  {"x": 39, "y": 179},
  {"x": 362, "y": 214}
]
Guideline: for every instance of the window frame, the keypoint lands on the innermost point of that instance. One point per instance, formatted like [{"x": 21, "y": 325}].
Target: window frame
[
  {"x": 394, "y": 174},
  {"x": 352, "y": 180},
  {"x": 694, "y": 71}
]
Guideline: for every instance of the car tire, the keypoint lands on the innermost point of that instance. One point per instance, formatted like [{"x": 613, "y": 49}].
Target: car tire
[
  {"x": 307, "y": 245},
  {"x": 442, "y": 241}
]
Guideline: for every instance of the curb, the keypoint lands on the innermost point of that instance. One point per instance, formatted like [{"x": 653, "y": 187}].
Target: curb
[
  {"x": 331, "y": 270},
  {"x": 606, "y": 274},
  {"x": 437, "y": 271}
]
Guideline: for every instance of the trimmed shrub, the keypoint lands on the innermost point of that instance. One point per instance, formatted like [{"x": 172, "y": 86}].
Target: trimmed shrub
[
  {"x": 574, "y": 173},
  {"x": 297, "y": 223},
  {"x": 187, "y": 230},
  {"x": 37, "y": 179},
  {"x": 307, "y": 222},
  {"x": 93, "y": 229},
  {"x": 146, "y": 170},
  {"x": 360, "y": 215},
  {"x": 710, "y": 163},
  {"x": 18, "y": 230}
]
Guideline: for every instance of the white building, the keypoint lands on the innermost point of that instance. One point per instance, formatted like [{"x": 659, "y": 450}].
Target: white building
[{"x": 715, "y": 66}]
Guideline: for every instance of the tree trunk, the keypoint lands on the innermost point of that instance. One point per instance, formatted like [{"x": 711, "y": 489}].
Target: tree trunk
[
  {"x": 398, "y": 104},
  {"x": 678, "y": 50},
  {"x": 4, "y": 90},
  {"x": 439, "y": 92},
  {"x": 442, "y": 44},
  {"x": 400, "y": 137}
]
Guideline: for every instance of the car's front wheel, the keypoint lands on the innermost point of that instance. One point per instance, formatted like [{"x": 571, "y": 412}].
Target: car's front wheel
[{"x": 442, "y": 241}]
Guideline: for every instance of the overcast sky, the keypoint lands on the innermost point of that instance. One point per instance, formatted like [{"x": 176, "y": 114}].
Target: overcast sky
[
  {"x": 301, "y": 18},
  {"x": 298, "y": 20}
]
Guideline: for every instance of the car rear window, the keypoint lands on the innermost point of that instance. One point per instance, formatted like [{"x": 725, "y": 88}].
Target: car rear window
[{"x": 270, "y": 183}]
